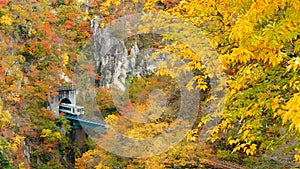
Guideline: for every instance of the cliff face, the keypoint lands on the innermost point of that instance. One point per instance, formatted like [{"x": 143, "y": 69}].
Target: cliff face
[{"x": 115, "y": 62}]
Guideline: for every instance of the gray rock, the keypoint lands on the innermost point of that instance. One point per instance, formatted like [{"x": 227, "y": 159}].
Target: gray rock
[{"x": 114, "y": 61}]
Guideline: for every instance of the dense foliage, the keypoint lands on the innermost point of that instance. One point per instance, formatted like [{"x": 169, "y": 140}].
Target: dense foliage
[
  {"x": 36, "y": 42},
  {"x": 257, "y": 43}
]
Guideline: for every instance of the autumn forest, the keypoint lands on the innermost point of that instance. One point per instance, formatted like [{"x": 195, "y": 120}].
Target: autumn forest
[{"x": 175, "y": 83}]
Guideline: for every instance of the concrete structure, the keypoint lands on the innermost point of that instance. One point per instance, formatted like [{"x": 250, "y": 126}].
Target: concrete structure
[{"x": 66, "y": 95}]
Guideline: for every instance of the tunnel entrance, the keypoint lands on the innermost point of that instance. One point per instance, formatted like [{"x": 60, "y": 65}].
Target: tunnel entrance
[{"x": 66, "y": 101}]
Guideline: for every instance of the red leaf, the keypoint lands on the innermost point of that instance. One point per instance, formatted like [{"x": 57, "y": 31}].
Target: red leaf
[
  {"x": 69, "y": 24},
  {"x": 2, "y": 69},
  {"x": 55, "y": 38},
  {"x": 3, "y": 2}
]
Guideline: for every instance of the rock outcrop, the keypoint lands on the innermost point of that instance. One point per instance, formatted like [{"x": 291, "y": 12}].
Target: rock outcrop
[{"x": 115, "y": 62}]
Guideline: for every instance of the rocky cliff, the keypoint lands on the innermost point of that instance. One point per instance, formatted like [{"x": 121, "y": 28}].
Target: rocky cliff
[{"x": 114, "y": 62}]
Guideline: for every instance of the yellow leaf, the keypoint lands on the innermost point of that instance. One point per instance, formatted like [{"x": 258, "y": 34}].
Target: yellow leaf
[
  {"x": 5, "y": 20},
  {"x": 65, "y": 58},
  {"x": 46, "y": 133}
]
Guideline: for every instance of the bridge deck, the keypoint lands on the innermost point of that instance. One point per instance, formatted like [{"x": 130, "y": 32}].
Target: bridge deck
[{"x": 84, "y": 122}]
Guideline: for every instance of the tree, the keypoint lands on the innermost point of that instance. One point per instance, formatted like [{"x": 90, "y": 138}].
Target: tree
[
  {"x": 39, "y": 41},
  {"x": 258, "y": 44}
]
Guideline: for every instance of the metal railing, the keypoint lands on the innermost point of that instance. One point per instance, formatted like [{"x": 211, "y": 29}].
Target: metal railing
[{"x": 85, "y": 120}]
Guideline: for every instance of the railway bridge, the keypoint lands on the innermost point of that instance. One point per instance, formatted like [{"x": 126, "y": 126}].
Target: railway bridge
[{"x": 65, "y": 102}]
